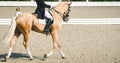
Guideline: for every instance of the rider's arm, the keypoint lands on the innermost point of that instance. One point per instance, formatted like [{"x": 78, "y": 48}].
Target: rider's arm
[{"x": 46, "y": 5}]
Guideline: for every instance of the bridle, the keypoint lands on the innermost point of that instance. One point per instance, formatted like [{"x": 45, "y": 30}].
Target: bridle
[{"x": 64, "y": 16}]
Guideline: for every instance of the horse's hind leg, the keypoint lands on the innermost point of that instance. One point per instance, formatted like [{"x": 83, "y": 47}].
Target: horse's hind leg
[
  {"x": 56, "y": 44},
  {"x": 25, "y": 43},
  {"x": 12, "y": 42}
]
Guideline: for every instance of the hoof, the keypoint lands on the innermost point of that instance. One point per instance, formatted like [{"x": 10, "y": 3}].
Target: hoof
[
  {"x": 43, "y": 59},
  {"x": 6, "y": 58},
  {"x": 45, "y": 56},
  {"x": 63, "y": 57},
  {"x": 31, "y": 59}
]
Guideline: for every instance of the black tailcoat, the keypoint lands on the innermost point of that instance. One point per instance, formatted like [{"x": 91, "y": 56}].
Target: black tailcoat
[{"x": 40, "y": 10}]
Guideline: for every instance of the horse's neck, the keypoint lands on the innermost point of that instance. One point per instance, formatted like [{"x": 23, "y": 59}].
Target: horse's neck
[
  {"x": 56, "y": 16},
  {"x": 59, "y": 10}
]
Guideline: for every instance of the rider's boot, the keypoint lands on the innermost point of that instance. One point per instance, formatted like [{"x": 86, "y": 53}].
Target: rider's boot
[{"x": 47, "y": 27}]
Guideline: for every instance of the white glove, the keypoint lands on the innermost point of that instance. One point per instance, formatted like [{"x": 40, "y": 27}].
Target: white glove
[{"x": 51, "y": 7}]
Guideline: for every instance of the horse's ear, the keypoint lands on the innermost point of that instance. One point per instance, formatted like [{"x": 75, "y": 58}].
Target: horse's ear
[{"x": 70, "y": 3}]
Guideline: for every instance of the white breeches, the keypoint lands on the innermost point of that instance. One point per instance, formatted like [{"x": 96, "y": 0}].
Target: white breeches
[{"x": 48, "y": 15}]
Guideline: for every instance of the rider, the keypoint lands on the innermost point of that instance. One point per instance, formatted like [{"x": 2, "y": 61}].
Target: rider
[{"x": 41, "y": 14}]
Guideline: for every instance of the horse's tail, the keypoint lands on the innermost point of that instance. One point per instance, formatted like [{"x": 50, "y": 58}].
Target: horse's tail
[{"x": 10, "y": 33}]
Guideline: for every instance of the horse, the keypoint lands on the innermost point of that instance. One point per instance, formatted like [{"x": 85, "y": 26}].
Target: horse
[{"x": 27, "y": 22}]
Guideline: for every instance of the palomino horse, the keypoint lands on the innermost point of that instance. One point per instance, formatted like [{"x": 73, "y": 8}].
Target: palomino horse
[{"x": 26, "y": 22}]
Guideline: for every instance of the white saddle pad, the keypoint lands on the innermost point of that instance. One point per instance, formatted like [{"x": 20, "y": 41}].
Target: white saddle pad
[{"x": 42, "y": 21}]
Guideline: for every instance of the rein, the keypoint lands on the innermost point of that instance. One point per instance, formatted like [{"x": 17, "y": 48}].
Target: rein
[
  {"x": 64, "y": 16},
  {"x": 58, "y": 12}
]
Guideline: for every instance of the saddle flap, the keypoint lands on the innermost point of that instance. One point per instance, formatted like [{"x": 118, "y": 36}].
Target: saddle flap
[{"x": 42, "y": 21}]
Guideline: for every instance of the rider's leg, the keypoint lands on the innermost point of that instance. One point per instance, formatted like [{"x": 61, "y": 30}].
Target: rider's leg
[
  {"x": 48, "y": 15},
  {"x": 49, "y": 22}
]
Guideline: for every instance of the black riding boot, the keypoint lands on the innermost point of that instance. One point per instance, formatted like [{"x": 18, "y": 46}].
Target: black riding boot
[{"x": 47, "y": 27}]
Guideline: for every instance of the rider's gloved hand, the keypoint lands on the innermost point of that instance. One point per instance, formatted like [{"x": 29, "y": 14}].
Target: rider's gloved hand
[{"x": 50, "y": 7}]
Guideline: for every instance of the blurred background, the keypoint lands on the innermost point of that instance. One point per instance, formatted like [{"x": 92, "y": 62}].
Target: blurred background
[{"x": 68, "y": 0}]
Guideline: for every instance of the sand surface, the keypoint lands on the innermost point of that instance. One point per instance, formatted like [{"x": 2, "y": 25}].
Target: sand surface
[{"x": 80, "y": 43}]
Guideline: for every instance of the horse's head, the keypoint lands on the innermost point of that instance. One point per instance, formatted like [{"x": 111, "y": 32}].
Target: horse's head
[
  {"x": 66, "y": 13},
  {"x": 63, "y": 10}
]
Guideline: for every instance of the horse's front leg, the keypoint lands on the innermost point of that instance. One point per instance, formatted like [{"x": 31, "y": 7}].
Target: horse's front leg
[
  {"x": 12, "y": 42},
  {"x": 56, "y": 44}
]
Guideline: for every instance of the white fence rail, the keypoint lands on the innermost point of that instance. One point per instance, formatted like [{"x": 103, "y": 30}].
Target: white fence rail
[
  {"x": 71, "y": 21},
  {"x": 23, "y": 3},
  {"x": 78, "y": 21}
]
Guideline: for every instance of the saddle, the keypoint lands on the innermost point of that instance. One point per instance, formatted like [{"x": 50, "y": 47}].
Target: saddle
[
  {"x": 48, "y": 22},
  {"x": 43, "y": 21}
]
